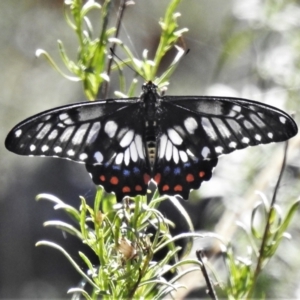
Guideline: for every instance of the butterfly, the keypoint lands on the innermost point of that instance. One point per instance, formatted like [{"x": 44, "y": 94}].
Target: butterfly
[{"x": 173, "y": 140}]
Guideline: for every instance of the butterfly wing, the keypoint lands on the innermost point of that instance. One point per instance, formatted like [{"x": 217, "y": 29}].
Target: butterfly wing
[
  {"x": 120, "y": 162},
  {"x": 105, "y": 135},
  {"x": 64, "y": 131},
  {"x": 220, "y": 125},
  {"x": 199, "y": 129}
]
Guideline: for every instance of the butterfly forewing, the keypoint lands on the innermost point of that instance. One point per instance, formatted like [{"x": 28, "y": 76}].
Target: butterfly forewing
[
  {"x": 64, "y": 132},
  {"x": 219, "y": 125}
]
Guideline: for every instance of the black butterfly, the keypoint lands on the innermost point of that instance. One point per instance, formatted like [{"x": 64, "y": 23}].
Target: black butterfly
[{"x": 174, "y": 140}]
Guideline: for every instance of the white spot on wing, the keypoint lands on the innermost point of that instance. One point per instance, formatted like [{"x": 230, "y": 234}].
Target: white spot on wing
[
  {"x": 163, "y": 144},
  {"x": 234, "y": 111},
  {"x": 183, "y": 156},
  {"x": 223, "y": 129},
  {"x": 205, "y": 152},
  {"x": 232, "y": 144},
  {"x": 270, "y": 135},
  {"x": 169, "y": 151},
  {"x": 43, "y": 131},
  {"x": 257, "y": 120},
  {"x": 53, "y": 134},
  {"x": 71, "y": 152},
  {"x": 78, "y": 136},
  {"x": 39, "y": 126},
  {"x": 139, "y": 145},
  {"x": 257, "y": 137},
  {"x": 45, "y": 148},
  {"x": 282, "y": 119},
  {"x": 66, "y": 134},
  {"x": 83, "y": 156},
  {"x": 65, "y": 118},
  {"x": 207, "y": 126},
  {"x": 57, "y": 149},
  {"x": 119, "y": 158},
  {"x": 127, "y": 157},
  {"x": 219, "y": 149},
  {"x": 127, "y": 138},
  {"x": 191, "y": 125},
  {"x": 93, "y": 133},
  {"x": 110, "y": 128},
  {"x": 18, "y": 133},
  {"x": 98, "y": 157},
  {"x": 175, "y": 155},
  {"x": 245, "y": 140},
  {"x": 237, "y": 108},
  {"x": 32, "y": 147},
  {"x": 174, "y": 137},
  {"x": 133, "y": 152},
  {"x": 247, "y": 124}
]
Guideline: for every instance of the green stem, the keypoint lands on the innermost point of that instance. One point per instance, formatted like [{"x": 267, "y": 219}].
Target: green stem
[{"x": 261, "y": 258}]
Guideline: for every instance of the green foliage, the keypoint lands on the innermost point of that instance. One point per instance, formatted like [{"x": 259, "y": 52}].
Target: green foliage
[
  {"x": 93, "y": 53},
  {"x": 262, "y": 245},
  {"x": 119, "y": 236}
]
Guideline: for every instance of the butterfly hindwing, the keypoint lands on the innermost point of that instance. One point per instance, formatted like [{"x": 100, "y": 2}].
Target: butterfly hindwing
[
  {"x": 179, "y": 166},
  {"x": 179, "y": 178},
  {"x": 118, "y": 158}
]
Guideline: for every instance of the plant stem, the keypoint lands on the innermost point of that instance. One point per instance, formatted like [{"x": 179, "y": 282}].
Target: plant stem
[{"x": 261, "y": 257}]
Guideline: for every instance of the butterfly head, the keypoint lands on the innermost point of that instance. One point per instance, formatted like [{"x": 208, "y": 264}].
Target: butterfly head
[{"x": 149, "y": 87}]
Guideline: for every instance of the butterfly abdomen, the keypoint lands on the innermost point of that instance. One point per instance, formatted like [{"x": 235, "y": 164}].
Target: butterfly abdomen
[{"x": 150, "y": 137}]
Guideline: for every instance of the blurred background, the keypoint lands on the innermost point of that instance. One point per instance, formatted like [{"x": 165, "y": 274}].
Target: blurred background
[{"x": 248, "y": 49}]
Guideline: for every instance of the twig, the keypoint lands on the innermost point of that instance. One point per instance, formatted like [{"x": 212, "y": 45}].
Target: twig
[
  {"x": 211, "y": 292},
  {"x": 267, "y": 228},
  {"x": 104, "y": 89}
]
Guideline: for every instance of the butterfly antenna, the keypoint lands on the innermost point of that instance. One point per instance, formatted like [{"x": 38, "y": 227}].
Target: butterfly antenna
[
  {"x": 124, "y": 3},
  {"x": 125, "y": 63}
]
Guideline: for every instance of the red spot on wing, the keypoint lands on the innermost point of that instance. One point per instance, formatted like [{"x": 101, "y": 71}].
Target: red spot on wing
[
  {"x": 102, "y": 177},
  {"x": 114, "y": 180},
  {"x": 201, "y": 174},
  {"x": 157, "y": 178},
  {"x": 126, "y": 189},
  {"x": 165, "y": 188},
  {"x": 138, "y": 188},
  {"x": 146, "y": 178},
  {"x": 178, "y": 188},
  {"x": 189, "y": 178}
]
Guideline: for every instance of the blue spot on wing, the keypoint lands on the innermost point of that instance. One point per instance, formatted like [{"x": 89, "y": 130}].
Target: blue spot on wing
[
  {"x": 126, "y": 172},
  {"x": 167, "y": 170},
  {"x": 136, "y": 170},
  {"x": 177, "y": 171}
]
